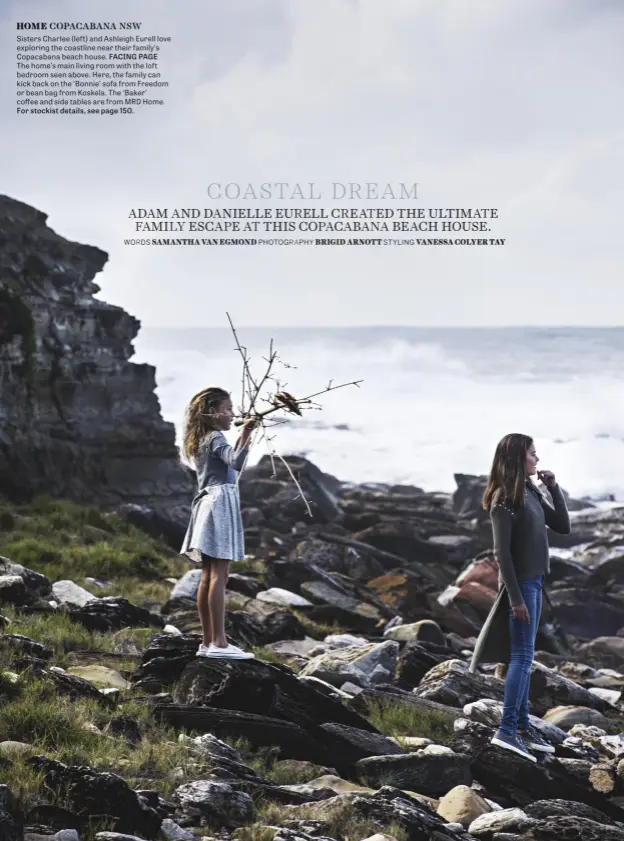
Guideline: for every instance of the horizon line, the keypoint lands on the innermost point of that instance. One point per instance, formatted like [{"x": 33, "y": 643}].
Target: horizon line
[{"x": 385, "y": 326}]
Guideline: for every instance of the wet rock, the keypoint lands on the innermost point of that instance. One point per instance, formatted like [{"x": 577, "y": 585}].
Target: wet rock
[
  {"x": 355, "y": 663},
  {"x": 66, "y": 592},
  {"x": 113, "y": 614},
  {"x": 462, "y": 805},
  {"x": 433, "y": 774},
  {"x": 93, "y": 793},
  {"x": 207, "y": 803}
]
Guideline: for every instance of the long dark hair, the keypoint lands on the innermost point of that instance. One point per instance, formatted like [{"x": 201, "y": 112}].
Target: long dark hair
[
  {"x": 508, "y": 478},
  {"x": 200, "y": 418}
]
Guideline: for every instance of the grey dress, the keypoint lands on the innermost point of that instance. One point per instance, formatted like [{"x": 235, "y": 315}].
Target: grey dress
[{"x": 216, "y": 528}]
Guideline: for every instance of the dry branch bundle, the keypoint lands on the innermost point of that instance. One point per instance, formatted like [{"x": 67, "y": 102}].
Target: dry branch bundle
[{"x": 275, "y": 400}]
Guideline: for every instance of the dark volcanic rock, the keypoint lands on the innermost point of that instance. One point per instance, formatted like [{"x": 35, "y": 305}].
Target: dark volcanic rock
[
  {"x": 554, "y": 808},
  {"x": 587, "y": 614},
  {"x": 264, "y": 689},
  {"x": 405, "y": 541},
  {"x": 36, "y": 585},
  {"x": 431, "y": 774},
  {"x": 93, "y": 793},
  {"x": 390, "y": 805},
  {"x": 11, "y": 827},
  {"x": 512, "y": 781},
  {"x": 113, "y": 614},
  {"x": 415, "y": 660},
  {"x": 23, "y": 646},
  {"x": 154, "y": 523},
  {"x": 74, "y": 687},
  {"x": 354, "y": 744},
  {"x": 292, "y": 741},
  {"x": 65, "y": 362},
  {"x": 206, "y": 802},
  {"x": 272, "y": 493}
]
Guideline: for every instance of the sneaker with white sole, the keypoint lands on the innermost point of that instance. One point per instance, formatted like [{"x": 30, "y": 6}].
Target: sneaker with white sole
[
  {"x": 230, "y": 652},
  {"x": 533, "y": 739},
  {"x": 513, "y": 744},
  {"x": 203, "y": 650}
]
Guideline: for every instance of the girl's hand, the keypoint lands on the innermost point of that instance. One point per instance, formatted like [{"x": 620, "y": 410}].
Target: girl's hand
[
  {"x": 248, "y": 427},
  {"x": 547, "y": 477},
  {"x": 521, "y": 613}
]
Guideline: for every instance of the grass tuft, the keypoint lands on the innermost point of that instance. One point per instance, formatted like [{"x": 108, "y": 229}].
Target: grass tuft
[{"x": 396, "y": 720}]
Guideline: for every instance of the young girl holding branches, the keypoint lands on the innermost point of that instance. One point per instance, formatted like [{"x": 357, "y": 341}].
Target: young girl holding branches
[{"x": 215, "y": 533}]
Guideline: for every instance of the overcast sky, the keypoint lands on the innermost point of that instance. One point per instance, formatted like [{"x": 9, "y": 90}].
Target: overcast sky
[{"x": 516, "y": 105}]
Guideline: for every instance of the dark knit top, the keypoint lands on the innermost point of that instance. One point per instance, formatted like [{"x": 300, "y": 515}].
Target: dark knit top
[{"x": 520, "y": 538}]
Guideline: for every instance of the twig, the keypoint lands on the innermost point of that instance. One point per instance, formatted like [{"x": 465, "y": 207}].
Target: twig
[
  {"x": 280, "y": 400},
  {"x": 243, "y": 353},
  {"x": 300, "y": 401}
]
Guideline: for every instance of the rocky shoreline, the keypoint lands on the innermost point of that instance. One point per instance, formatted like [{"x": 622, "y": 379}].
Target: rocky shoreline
[
  {"x": 359, "y": 718},
  {"x": 362, "y": 616}
]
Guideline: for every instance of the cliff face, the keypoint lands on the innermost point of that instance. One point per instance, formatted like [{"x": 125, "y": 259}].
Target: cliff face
[{"x": 77, "y": 418}]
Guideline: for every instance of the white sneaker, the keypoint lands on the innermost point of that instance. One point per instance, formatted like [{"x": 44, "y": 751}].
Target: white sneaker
[
  {"x": 203, "y": 650},
  {"x": 231, "y": 652}
]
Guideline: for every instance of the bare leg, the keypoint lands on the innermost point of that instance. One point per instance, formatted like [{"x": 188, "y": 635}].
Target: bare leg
[
  {"x": 219, "y": 571},
  {"x": 203, "y": 600}
]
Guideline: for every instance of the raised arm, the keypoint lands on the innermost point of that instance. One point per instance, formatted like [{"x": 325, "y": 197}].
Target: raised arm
[
  {"x": 557, "y": 517},
  {"x": 232, "y": 456},
  {"x": 502, "y": 521}
]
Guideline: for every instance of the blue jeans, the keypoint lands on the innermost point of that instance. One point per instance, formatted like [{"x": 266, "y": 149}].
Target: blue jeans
[{"x": 516, "y": 706}]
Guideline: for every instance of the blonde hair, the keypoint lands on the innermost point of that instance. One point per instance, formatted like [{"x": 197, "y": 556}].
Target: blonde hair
[{"x": 200, "y": 418}]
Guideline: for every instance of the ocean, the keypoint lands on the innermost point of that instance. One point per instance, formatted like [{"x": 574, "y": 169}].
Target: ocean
[{"x": 433, "y": 402}]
